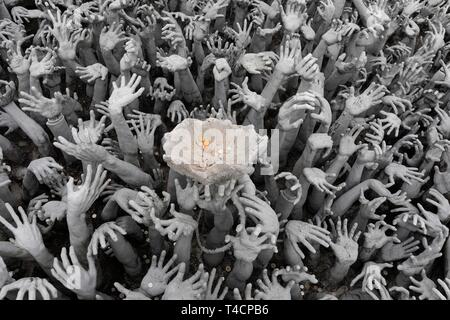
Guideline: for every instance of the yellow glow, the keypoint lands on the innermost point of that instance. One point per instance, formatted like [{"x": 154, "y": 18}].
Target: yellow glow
[{"x": 205, "y": 142}]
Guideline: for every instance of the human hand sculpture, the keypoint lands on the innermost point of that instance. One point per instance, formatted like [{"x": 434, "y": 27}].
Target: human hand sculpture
[{"x": 306, "y": 234}]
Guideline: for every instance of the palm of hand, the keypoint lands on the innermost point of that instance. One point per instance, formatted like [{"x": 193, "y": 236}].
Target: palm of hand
[
  {"x": 412, "y": 266},
  {"x": 76, "y": 199},
  {"x": 246, "y": 249},
  {"x": 393, "y": 252},
  {"x": 180, "y": 291},
  {"x": 358, "y": 105},
  {"x": 89, "y": 134},
  {"x": 253, "y": 99},
  {"x": 108, "y": 41},
  {"x": 55, "y": 210},
  {"x": 367, "y": 210},
  {"x": 49, "y": 108},
  {"x": 286, "y": 65},
  {"x": 32, "y": 242},
  {"x": 92, "y": 152},
  {"x": 186, "y": 199},
  {"x": 145, "y": 142},
  {"x": 66, "y": 50},
  {"x": 426, "y": 286},
  {"x": 39, "y": 69},
  {"x": 154, "y": 282},
  {"x": 292, "y": 22},
  {"x": 253, "y": 63},
  {"x": 315, "y": 176},
  {"x": 347, "y": 146},
  {"x": 119, "y": 98},
  {"x": 19, "y": 64},
  {"x": 277, "y": 292},
  {"x": 346, "y": 250},
  {"x": 298, "y": 276},
  {"x": 375, "y": 239},
  {"x": 180, "y": 224},
  {"x": 176, "y": 63}
]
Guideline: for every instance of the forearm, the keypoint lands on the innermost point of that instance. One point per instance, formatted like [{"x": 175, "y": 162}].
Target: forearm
[
  {"x": 23, "y": 82},
  {"x": 239, "y": 16},
  {"x": 70, "y": 65},
  {"x": 340, "y": 126},
  {"x": 242, "y": 270},
  {"x": 155, "y": 240},
  {"x": 111, "y": 63},
  {"x": 79, "y": 234},
  {"x": 188, "y": 88},
  {"x": 284, "y": 206},
  {"x": 33, "y": 130},
  {"x": 128, "y": 172},
  {"x": 271, "y": 188},
  {"x": 223, "y": 222},
  {"x": 298, "y": 208},
  {"x": 9, "y": 250},
  {"x": 305, "y": 161},
  {"x": 60, "y": 128},
  {"x": 354, "y": 176},
  {"x": 342, "y": 204},
  {"x": 126, "y": 255},
  {"x": 338, "y": 272},
  {"x": 150, "y": 49},
  {"x": 182, "y": 248},
  {"x": 150, "y": 161},
  {"x": 4, "y": 13},
  {"x": 30, "y": 185},
  {"x": 45, "y": 260},
  {"x": 8, "y": 196},
  {"x": 319, "y": 52},
  {"x": 127, "y": 142},
  {"x": 361, "y": 221},
  {"x": 317, "y": 197},
  {"x": 34, "y": 82},
  {"x": 291, "y": 255},
  {"x": 10, "y": 150},
  {"x": 362, "y": 10},
  {"x": 100, "y": 89},
  {"x": 287, "y": 141},
  {"x": 257, "y": 117},
  {"x": 220, "y": 93}
]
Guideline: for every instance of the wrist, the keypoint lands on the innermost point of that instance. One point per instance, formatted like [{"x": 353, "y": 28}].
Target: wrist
[
  {"x": 43, "y": 256},
  {"x": 288, "y": 196},
  {"x": 25, "y": 76},
  {"x": 55, "y": 120},
  {"x": 342, "y": 157}
]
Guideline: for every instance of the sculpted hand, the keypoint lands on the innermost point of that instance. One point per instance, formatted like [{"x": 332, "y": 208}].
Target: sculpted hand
[
  {"x": 376, "y": 237},
  {"x": 190, "y": 289},
  {"x": 317, "y": 178},
  {"x": 92, "y": 72},
  {"x": 306, "y": 233},
  {"x": 181, "y": 224},
  {"x": 155, "y": 281},
  {"x": 272, "y": 289},
  {"x": 104, "y": 233},
  {"x": 345, "y": 246},
  {"x": 30, "y": 286},
  {"x": 125, "y": 94},
  {"x": 244, "y": 95},
  {"x": 74, "y": 276}
]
